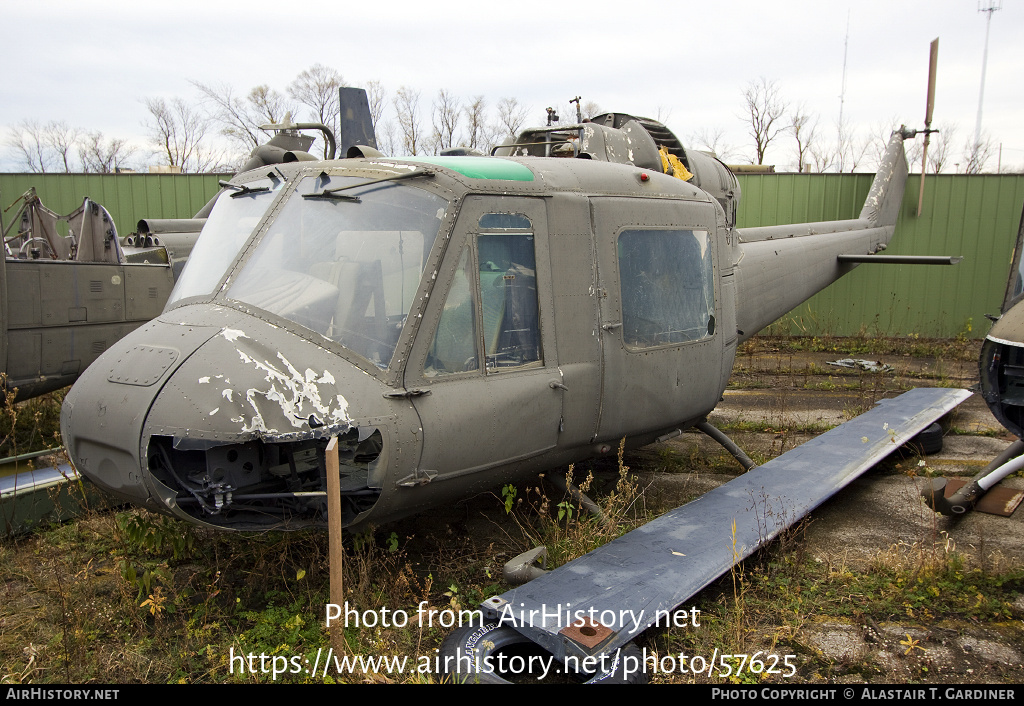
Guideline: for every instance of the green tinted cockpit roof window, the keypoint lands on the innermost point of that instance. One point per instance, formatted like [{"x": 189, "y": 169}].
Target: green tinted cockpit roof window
[{"x": 480, "y": 167}]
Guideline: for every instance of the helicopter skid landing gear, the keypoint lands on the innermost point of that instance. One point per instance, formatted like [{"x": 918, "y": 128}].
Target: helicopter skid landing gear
[{"x": 728, "y": 444}]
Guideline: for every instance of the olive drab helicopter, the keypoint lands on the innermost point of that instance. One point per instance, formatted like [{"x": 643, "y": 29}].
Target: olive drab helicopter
[{"x": 456, "y": 322}]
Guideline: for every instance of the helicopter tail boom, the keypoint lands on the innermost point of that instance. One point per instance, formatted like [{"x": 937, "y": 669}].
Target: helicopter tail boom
[{"x": 782, "y": 266}]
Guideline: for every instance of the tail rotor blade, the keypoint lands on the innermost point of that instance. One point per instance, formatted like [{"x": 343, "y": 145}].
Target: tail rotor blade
[{"x": 933, "y": 61}]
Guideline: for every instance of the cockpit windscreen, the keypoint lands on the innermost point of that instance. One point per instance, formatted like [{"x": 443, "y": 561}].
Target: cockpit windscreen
[{"x": 345, "y": 260}]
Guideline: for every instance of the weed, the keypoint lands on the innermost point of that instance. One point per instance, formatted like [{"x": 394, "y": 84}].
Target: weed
[
  {"x": 32, "y": 425},
  {"x": 962, "y": 347},
  {"x": 509, "y": 493},
  {"x": 154, "y": 535},
  {"x": 566, "y": 530},
  {"x": 156, "y": 602},
  {"x": 911, "y": 644},
  {"x": 965, "y": 333},
  {"x": 738, "y": 590},
  {"x": 768, "y": 427},
  {"x": 565, "y": 509}
]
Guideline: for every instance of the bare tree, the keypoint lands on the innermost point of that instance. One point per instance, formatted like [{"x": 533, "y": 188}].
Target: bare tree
[
  {"x": 976, "y": 154},
  {"x": 178, "y": 132},
  {"x": 387, "y": 137},
  {"x": 317, "y": 89},
  {"x": 913, "y": 152},
  {"x": 764, "y": 109},
  {"x": 878, "y": 141},
  {"x": 940, "y": 146},
  {"x": 511, "y": 116},
  {"x": 446, "y": 114},
  {"x": 712, "y": 140},
  {"x": 44, "y": 148},
  {"x": 704, "y": 138},
  {"x": 232, "y": 112},
  {"x": 804, "y": 128},
  {"x": 28, "y": 142},
  {"x": 476, "y": 119},
  {"x": 406, "y": 104},
  {"x": 590, "y": 110},
  {"x": 377, "y": 96},
  {"x": 62, "y": 139},
  {"x": 823, "y": 156},
  {"x": 241, "y": 117},
  {"x": 572, "y": 113},
  {"x": 269, "y": 105},
  {"x": 850, "y": 149},
  {"x": 102, "y": 155}
]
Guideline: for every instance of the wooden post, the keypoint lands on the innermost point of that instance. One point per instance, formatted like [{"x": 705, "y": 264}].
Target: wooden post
[{"x": 335, "y": 551}]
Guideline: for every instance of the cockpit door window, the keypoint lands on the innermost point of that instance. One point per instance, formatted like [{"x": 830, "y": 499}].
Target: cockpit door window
[
  {"x": 491, "y": 305},
  {"x": 454, "y": 349},
  {"x": 482, "y": 358},
  {"x": 508, "y": 293}
]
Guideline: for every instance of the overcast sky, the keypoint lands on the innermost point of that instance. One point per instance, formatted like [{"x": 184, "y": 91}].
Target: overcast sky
[{"x": 93, "y": 63}]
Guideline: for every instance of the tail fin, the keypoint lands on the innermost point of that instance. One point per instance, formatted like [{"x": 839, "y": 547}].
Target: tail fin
[
  {"x": 882, "y": 205},
  {"x": 782, "y": 266}
]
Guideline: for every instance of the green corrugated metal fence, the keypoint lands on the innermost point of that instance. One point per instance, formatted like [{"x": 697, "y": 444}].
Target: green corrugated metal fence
[
  {"x": 128, "y": 197},
  {"x": 973, "y": 216}
]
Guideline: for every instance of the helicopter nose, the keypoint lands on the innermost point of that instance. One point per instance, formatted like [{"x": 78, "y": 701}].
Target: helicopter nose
[
  {"x": 103, "y": 414},
  {"x": 198, "y": 385},
  {"x": 228, "y": 426}
]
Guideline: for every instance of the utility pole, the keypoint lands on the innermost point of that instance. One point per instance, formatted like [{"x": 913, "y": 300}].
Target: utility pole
[
  {"x": 842, "y": 90},
  {"x": 990, "y": 7}
]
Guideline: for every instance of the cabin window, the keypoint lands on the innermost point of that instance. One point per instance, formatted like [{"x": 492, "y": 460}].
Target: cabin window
[
  {"x": 505, "y": 221},
  {"x": 667, "y": 287}
]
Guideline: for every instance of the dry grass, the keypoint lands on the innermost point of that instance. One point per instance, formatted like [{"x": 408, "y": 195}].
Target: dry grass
[{"x": 126, "y": 596}]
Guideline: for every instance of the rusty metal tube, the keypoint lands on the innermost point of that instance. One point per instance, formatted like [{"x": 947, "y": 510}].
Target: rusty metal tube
[{"x": 1009, "y": 461}]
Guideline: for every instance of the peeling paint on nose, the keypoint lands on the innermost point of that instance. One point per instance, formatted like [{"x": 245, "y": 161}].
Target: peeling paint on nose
[{"x": 298, "y": 396}]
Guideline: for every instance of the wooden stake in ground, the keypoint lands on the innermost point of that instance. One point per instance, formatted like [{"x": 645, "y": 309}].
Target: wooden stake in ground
[{"x": 336, "y": 553}]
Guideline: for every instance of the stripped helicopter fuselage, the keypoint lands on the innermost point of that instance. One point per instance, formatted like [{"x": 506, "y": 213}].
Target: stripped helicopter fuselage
[{"x": 456, "y": 322}]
